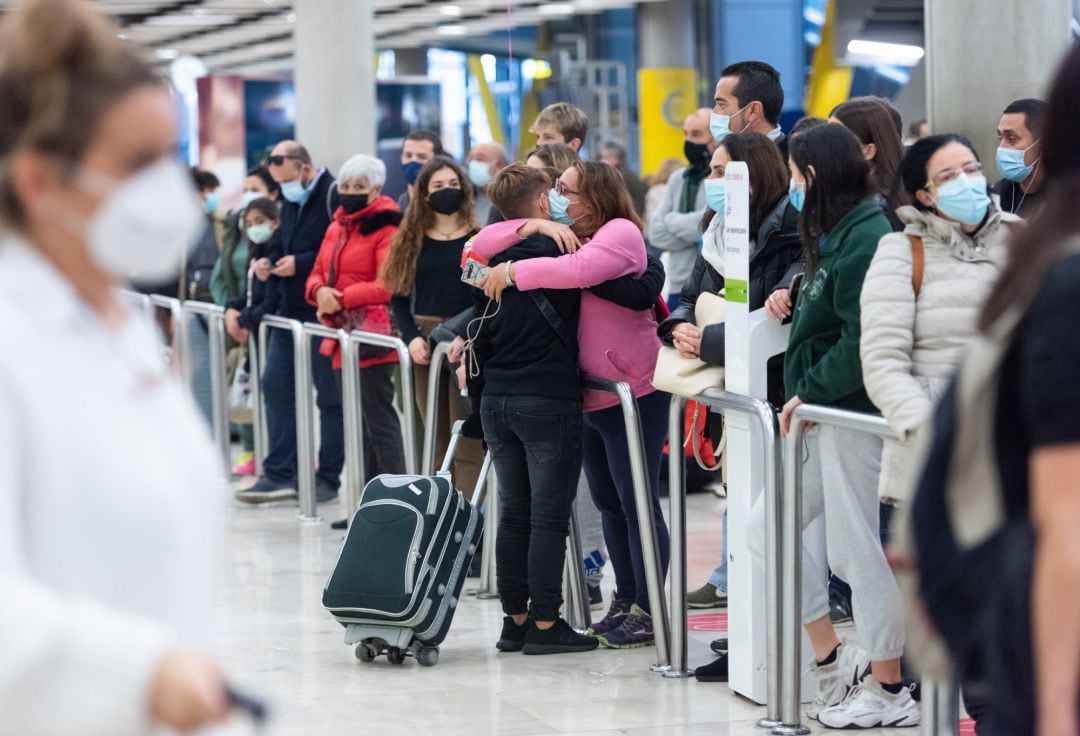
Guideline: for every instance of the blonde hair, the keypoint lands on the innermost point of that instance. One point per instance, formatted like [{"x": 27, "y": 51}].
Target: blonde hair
[
  {"x": 557, "y": 156},
  {"x": 569, "y": 120},
  {"x": 399, "y": 270},
  {"x": 62, "y": 67}
]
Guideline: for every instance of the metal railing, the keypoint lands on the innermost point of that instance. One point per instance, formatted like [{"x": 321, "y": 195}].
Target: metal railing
[
  {"x": 219, "y": 391},
  {"x": 650, "y": 549},
  {"x": 766, "y": 422},
  {"x": 576, "y": 589},
  {"x": 941, "y": 713},
  {"x": 431, "y": 409},
  {"x": 179, "y": 347}
]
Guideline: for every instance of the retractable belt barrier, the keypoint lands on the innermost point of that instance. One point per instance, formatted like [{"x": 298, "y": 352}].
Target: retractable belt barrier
[
  {"x": 940, "y": 715},
  {"x": 650, "y": 549}
]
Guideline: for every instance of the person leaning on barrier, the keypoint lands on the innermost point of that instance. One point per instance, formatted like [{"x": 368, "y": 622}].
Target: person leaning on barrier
[
  {"x": 994, "y": 517},
  {"x": 871, "y": 120},
  {"x": 523, "y": 380},
  {"x": 110, "y": 489},
  {"x": 774, "y": 247},
  {"x": 309, "y": 195},
  {"x": 344, "y": 287},
  {"x": 617, "y": 344},
  {"x": 840, "y": 224},
  {"x": 229, "y": 279},
  {"x": 262, "y": 294},
  {"x": 423, "y": 272}
]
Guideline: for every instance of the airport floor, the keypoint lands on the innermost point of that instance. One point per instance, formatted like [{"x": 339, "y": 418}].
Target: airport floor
[{"x": 280, "y": 643}]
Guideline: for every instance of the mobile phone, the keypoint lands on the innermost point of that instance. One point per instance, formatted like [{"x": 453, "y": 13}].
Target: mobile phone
[{"x": 473, "y": 273}]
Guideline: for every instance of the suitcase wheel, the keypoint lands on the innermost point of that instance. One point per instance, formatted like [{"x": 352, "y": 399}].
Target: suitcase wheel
[
  {"x": 367, "y": 650},
  {"x": 427, "y": 656},
  {"x": 395, "y": 655}
]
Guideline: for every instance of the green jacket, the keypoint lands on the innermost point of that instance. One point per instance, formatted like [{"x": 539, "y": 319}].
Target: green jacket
[
  {"x": 822, "y": 364},
  {"x": 229, "y": 278}
]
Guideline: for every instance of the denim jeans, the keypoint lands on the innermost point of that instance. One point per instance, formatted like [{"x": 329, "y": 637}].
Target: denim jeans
[
  {"x": 279, "y": 392},
  {"x": 607, "y": 467},
  {"x": 535, "y": 444},
  {"x": 718, "y": 579},
  {"x": 199, "y": 352}
]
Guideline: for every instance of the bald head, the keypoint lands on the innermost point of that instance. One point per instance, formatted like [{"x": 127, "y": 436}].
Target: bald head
[
  {"x": 489, "y": 153},
  {"x": 288, "y": 161},
  {"x": 696, "y": 128}
]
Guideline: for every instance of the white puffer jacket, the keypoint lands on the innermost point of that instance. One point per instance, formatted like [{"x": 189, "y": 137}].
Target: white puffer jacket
[{"x": 910, "y": 348}]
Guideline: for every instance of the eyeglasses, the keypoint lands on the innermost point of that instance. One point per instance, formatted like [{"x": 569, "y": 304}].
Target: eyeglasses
[
  {"x": 944, "y": 177},
  {"x": 563, "y": 191},
  {"x": 280, "y": 160}
]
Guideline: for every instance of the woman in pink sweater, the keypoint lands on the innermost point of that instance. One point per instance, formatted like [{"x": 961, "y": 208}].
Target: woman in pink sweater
[{"x": 616, "y": 343}]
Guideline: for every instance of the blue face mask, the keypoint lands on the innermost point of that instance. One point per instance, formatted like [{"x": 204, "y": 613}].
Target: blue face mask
[
  {"x": 557, "y": 208},
  {"x": 479, "y": 173},
  {"x": 796, "y": 195},
  {"x": 720, "y": 125},
  {"x": 259, "y": 234},
  {"x": 211, "y": 204},
  {"x": 411, "y": 171},
  {"x": 248, "y": 197},
  {"x": 964, "y": 199},
  {"x": 715, "y": 189},
  {"x": 1010, "y": 162},
  {"x": 294, "y": 191}
]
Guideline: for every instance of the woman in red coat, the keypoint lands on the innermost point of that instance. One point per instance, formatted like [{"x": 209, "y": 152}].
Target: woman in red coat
[{"x": 344, "y": 287}]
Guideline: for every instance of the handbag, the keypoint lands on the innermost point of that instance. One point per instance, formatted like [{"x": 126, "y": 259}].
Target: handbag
[
  {"x": 691, "y": 376},
  {"x": 374, "y": 318}
]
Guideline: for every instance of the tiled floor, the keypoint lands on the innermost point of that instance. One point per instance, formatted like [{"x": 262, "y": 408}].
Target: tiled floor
[{"x": 280, "y": 643}]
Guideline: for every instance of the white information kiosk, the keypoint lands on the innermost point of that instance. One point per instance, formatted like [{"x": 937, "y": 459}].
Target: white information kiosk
[{"x": 752, "y": 338}]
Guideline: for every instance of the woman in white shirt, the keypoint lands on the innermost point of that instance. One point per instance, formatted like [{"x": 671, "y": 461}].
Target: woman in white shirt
[{"x": 109, "y": 487}]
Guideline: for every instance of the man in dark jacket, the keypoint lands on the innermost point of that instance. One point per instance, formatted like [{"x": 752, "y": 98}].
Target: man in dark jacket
[{"x": 305, "y": 214}]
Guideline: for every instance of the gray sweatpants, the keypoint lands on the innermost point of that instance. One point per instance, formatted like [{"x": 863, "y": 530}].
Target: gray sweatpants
[{"x": 840, "y": 480}]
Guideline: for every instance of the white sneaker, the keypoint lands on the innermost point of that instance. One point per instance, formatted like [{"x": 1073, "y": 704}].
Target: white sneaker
[
  {"x": 835, "y": 680},
  {"x": 869, "y": 705}
]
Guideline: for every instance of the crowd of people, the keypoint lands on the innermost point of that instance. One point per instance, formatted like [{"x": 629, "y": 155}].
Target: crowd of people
[{"x": 897, "y": 265}]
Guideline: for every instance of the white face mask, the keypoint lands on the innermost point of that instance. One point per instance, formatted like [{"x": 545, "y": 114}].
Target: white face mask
[{"x": 146, "y": 224}]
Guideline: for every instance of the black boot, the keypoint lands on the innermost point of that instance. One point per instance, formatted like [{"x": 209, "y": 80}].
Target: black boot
[{"x": 715, "y": 672}]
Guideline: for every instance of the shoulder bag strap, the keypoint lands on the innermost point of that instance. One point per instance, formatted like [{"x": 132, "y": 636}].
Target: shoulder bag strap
[{"x": 918, "y": 262}]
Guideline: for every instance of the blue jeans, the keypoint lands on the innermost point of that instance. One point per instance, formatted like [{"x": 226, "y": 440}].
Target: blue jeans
[
  {"x": 718, "y": 579},
  {"x": 535, "y": 444},
  {"x": 199, "y": 352},
  {"x": 279, "y": 392},
  {"x": 607, "y": 467}
]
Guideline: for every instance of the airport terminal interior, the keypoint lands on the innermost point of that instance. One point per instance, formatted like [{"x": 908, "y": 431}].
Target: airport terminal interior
[{"x": 521, "y": 367}]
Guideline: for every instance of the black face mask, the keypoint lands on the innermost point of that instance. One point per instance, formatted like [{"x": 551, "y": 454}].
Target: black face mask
[
  {"x": 695, "y": 153},
  {"x": 446, "y": 201},
  {"x": 353, "y": 203}
]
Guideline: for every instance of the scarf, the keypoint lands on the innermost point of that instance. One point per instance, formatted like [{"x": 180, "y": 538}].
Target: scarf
[
  {"x": 712, "y": 243},
  {"x": 692, "y": 178}
]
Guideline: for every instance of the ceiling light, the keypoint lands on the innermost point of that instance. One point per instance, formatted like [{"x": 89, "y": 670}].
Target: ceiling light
[
  {"x": 167, "y": 54},
  {"x": 450, "y": 10},
  {"x": 860, "y": 51},
  {"x": 556, "y": 9},
  {"x": 454, "y": 29},
  {"x": 291, "y": 17},
  {"x": 191, "y": 20}
]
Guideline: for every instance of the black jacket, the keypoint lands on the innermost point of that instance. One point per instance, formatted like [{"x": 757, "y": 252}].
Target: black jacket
[
  {"x": 780, "y": 249},
  {"x": 266, "y": 296},
  {"x": 301, "y": 234}
]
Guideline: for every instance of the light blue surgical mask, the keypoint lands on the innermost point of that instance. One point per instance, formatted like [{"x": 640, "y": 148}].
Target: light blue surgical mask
[
  {"x": 247, "y": 198},
  {"x": 964, "y": 199},
  {"x": 557, "y": 208},
  {"x": 1010, "y": 162},
  {"x": 796, "y": 195},
  {"x": 211, "y": 204},
  {"x": 720, "y": 125},
  {"x": 479, "y": 173},
  {"x": 715, "y": 189},
  {"x": 259, "y": 234},
  {"x": 294, "y": 191}
]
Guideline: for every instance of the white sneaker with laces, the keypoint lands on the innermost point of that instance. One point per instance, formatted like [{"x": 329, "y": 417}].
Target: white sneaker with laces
[
  {"x": 835, "y": 680},
  {"x": 869, "y": 705}
]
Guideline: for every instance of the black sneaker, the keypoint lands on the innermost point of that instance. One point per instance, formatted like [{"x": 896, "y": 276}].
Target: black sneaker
[
  {"x": 340, "y": 524},
  {"x": 559, "y": 639},
  {"x": 839, "y": 609},
  {"x": 325, "y": 493},
  {"x": 512, "y": 638},
  {"x": 714, "y": 672},
  {"x": 267, "y": 491},
  {"x": 596, "y": 598},
  {"x": 720, "y": 646}
]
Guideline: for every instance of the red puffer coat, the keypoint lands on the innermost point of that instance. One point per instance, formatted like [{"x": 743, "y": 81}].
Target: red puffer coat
[{"x": 352, "y": 252}]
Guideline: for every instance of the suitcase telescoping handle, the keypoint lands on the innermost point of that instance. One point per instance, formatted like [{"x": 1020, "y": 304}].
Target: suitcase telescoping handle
[
  {"x": 248, "y": 703},
  {"x": 455, "y": 435}
]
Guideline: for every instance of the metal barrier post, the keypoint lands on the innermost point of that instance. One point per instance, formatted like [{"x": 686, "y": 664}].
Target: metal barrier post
[
  {"x": 351, "y": 398},
  {"x": 179, "y": 347},
  {"x": 940, "y": 709},
  {"x": 305, "y": 441},
  {"x": 219, "y": 399},
  {"x": 258, "y": 409},
  {"x": 677, "y": 504},
  {"x": 408, "y": 397},
  {"x": 577, "y": 602},
  {"x": 646, "y": 522},
  {"x": 431, "y": 412},
  {"x": 489, "y": 584}
]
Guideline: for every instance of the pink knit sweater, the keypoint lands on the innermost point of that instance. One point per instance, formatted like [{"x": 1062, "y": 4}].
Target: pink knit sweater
[{"x": 614, "y": 342}]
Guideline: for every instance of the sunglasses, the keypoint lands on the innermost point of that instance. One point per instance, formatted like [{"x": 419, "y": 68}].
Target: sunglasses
[{"x": 280, "y": 160}]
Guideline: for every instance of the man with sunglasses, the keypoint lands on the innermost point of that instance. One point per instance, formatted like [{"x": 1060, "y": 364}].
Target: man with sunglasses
[{"x": 309, "y": 200}]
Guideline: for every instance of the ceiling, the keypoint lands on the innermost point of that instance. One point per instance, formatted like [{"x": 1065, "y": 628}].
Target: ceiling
[{"x": 255, "y": 36}]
